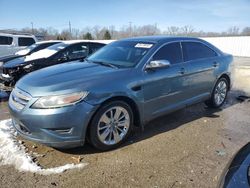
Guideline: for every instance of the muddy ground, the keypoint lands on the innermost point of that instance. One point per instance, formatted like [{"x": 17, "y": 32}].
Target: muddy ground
[{"x": 188, "y": 148}]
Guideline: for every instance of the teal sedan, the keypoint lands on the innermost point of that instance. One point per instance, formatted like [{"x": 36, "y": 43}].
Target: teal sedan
[{"x": 124, "y": 84}]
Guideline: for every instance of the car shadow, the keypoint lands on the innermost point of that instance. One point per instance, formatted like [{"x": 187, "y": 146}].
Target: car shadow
[{"x": 167, "y": 123}]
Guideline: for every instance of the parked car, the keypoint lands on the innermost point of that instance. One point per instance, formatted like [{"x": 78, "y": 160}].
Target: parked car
[
  {"x": 236, "y": 173},
  {"x": 56, "y": 54},
  {"x": 126, "y": 83},
  {"x": 11, "y": 43},
  {"x": 27, "y": 51}
]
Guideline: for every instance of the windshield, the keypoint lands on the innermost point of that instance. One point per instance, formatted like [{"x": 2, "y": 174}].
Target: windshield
[
  {"x": 26, "y": 50},
  {"x": 122, "y": 53},
  {"x": 58, "y": 47}
]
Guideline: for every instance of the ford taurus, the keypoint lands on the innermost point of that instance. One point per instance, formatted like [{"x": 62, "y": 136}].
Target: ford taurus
[{"x": 126, "y": 83}]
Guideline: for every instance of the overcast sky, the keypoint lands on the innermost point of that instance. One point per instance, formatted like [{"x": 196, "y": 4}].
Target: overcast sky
[{"x": 210, "y": 15}]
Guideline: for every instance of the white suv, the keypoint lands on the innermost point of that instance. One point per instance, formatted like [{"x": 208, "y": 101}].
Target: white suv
[{"x": 11, "y": 43}]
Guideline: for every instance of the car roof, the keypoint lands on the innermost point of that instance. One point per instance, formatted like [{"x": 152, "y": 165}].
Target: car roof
[
  {"x": 161, "y": 38},
  {"x": 90, "y": 41},
  {"x": 17, "y": 35},
  {"x": 48, "y": 41}
]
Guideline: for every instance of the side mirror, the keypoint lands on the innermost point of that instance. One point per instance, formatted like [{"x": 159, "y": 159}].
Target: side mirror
[{"x": 158, "y": 64}]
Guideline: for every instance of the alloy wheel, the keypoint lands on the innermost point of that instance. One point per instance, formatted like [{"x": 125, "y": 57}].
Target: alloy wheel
[
  {"x": 113, "y": 125},
  {"x": 220, "y": 92}
]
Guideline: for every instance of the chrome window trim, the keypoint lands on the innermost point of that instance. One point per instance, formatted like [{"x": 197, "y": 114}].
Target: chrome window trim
[{"x": 180, "y": 41}]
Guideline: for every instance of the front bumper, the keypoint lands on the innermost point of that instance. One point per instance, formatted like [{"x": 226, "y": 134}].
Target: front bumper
[
  {"x": 6, "y": 79},
  {"x": 60, "y": 128}
]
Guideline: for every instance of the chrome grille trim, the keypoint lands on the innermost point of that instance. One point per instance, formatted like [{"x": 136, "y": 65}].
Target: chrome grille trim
[{"x": 19, "y": 99}]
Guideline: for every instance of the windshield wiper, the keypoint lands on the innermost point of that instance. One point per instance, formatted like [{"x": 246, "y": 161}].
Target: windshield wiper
[
  {"x": 106, "y": 64},
  {"x": 102, "y": 63}
]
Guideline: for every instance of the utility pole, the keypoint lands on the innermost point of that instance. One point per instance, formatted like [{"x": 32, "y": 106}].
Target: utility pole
[
  {"x": 32, "y": 28},
  {"x": 70, "y": 29}
]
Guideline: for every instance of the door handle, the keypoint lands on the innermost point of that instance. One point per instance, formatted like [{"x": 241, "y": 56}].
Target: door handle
[
  {"x": 215, "y": 64},
  {"x": 182, "y": 71}
]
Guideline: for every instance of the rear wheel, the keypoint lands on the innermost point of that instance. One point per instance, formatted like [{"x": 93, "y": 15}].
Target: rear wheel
[
  {"x": 219, "y": 94},
  {"x": 111, "y": 125}
]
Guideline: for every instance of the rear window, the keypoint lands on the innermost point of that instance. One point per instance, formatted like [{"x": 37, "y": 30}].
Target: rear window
[
  {"x": 25, "y": 41},
  {"x": 196, "y": 50},
  {"x": 5, "y": 40}
]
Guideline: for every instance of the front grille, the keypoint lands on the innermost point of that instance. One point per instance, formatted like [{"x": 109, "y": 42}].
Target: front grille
[{"x": 19, "y": 99}]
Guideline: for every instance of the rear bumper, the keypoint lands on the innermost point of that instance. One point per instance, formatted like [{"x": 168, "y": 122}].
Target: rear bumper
[{"x": 61, "y": 128}]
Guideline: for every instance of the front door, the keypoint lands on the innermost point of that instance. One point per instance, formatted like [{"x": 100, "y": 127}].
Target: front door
[{"x": 164, "y": 88}]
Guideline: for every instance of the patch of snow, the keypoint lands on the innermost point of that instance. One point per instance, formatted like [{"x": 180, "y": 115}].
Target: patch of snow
[
  {"x": 45, "y": 53},
  {"x": 13, "y": 153}
]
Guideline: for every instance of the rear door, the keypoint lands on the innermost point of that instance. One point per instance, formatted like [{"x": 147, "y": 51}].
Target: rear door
[
  {"x": 201, "y": 64},
  {"x": 164, "y": 89}
]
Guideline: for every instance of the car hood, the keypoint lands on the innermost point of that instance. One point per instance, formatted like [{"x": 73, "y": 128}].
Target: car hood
[
  {"x": 8, "y": 58},
  {"x": 67, "y": 77},
  {"x": 17, "y": 62}
]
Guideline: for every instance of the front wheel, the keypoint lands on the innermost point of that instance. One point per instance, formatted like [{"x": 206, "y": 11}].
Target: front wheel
[
  {"x": 111, "y": 125},
  {"x": 219, "y": 94}
]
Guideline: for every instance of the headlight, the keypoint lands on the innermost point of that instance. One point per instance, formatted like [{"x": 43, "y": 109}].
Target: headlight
[{"x": 57, "y": 101}]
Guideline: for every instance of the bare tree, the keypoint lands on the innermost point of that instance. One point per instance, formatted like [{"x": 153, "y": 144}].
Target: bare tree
[
  {"x": 173, "y": 30},
  {"x": 187, "y": 30},
  {"x": 246, "y": 31},
  {"x": 233, "y": 31}
]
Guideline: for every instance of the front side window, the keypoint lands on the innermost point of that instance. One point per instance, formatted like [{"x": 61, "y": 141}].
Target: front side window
[
  {"x": 94, "y": 47},
  {"x": 170, "y": 52},
  {"x": 6, "y": 40},
  {"x": 77, "y": 51},
  {"x": 25, "y": 41},
  {"x": 122, "y": 53},
  {"x": 196, "y": 50}
]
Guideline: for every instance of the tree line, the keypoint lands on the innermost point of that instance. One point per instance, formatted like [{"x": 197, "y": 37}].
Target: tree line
[{"x": 99, "y": 33}]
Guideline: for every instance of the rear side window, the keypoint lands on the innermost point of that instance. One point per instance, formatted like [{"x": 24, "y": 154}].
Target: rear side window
[
  {"x": 77, "y": 51},
  {"x": 196, "y": 50},
  {"x": 25, "y": 41},
  {"x": 5, "y": 40},
  {"x": 170, "y": 52}
]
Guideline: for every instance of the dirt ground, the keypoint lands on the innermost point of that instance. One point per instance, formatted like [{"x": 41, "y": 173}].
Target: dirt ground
[{"x": 188, "y": 148}]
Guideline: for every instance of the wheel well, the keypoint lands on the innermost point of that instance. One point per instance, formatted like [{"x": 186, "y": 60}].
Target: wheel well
[
  {"x": 129, "y": 101},
  {"x": 227, "y": 78}
]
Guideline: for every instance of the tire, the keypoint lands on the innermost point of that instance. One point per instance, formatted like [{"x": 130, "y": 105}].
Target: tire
[
  {"x": 105, "y": 132},
  {"x": 220, "y": 90}
]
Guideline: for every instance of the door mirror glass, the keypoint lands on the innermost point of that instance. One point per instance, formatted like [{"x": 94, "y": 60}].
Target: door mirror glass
[{"x": 156, "y": 64}]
